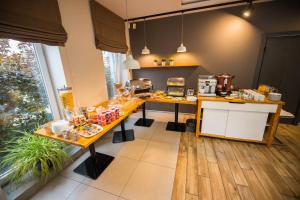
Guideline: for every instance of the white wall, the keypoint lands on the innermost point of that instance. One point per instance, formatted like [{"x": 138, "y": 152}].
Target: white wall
[{"x": 83, "y": 65}]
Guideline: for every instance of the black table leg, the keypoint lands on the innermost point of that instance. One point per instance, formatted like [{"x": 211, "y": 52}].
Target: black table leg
[
  {"x": 94, "y": 165},
  {"x": 144, "y": 121},
  {"x": 123, "y": 135},
  {"x": 175, "y": 126}
]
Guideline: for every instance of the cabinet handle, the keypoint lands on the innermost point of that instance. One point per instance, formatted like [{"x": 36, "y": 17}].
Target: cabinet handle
[{"x": 236, "y": 102}]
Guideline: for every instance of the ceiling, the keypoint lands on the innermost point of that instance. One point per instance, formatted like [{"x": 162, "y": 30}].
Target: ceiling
[{"x": 140, "y": 8}]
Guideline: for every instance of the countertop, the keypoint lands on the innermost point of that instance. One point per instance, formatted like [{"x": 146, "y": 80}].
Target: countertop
[{"x": 218, "y": 98}]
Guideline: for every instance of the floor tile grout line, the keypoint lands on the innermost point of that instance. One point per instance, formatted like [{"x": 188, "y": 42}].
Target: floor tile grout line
[
  {"x": 118, "y": 195},
  {"x": 139, "y": 161},
  {"x": 70, "y": 178},
  {"x": 163, "y": 166},
  {"x": 68, "y": 196},
  {"x": 177, "y": 145},
  {"x": 86, "y": 184},
  {"x": 130, "y": 176}
]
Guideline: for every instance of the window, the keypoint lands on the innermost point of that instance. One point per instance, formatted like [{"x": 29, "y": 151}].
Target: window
[
  {"x": 25, "y": 89},
  {"x": 114, "y": 70}
]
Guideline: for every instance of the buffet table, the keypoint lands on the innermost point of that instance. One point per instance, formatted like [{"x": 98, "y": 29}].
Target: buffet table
[
  {"x": 238, "y": 119},
  {"x": 173, "y": 126},
  {"x": 94, "y": 165}
]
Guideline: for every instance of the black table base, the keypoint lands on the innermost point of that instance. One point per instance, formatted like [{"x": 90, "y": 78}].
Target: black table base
[
  {"x": 144, "y": 121},
  {"x": 173, "y": 126},
  {"x": 123, "y": 135},
  {"x": 176, "y": 126},
  {"x": 94, "y": 165}
]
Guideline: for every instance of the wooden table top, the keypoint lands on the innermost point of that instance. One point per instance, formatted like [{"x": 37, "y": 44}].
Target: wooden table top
[
  {"x": 86, "y": 142},
  {"x": 127, "y": 110},
  {"x": 218, "y": 98},
  {"x": 167, "y": 100}
]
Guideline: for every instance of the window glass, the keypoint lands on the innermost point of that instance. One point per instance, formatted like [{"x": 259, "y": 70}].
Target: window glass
[
  {"x": 114, "y": 70},
  {"x": 24, "y": 103}
]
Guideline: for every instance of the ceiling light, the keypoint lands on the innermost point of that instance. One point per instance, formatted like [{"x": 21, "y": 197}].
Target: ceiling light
[
  {"x": 246, "y": 13},
  {"x": 145, "y": 50},
  {"x": 130, "y": 62},
  {"x": 248, "y": 10},
  {"x": 181, "y": 48}
]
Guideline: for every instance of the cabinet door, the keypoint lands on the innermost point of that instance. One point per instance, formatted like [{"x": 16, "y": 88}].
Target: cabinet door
[
  {"x": 246, "y": 125},
  {"x": 214, "y": 121}
]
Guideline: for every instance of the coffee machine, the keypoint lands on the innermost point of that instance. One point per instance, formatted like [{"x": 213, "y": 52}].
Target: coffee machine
[
  {"x": 207, "y": 85},
  {"x": 224, "y": 86}
]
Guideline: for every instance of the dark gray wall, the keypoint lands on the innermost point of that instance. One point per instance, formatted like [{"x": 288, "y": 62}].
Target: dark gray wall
[{"x": 219, "y": 41}]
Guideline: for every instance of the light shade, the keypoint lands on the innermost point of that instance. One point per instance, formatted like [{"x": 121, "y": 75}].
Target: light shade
[
  {"x": 131, "y": 63},
  {"x": 145, "y": 51},
  {"x": 181, "y": 48}
]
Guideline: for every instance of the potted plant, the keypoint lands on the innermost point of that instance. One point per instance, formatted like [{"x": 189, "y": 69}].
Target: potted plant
[
  {"x": 32, "y": 154},
  {"x": 163, "y": 62},
  {"x": 171, "y": 61}
]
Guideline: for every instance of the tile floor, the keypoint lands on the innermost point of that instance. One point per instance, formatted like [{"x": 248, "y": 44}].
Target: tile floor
[{"x": 143, "y": 169}]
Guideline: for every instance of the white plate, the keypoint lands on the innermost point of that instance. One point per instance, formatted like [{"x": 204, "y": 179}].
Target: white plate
[{"x": 91, "y": 134}]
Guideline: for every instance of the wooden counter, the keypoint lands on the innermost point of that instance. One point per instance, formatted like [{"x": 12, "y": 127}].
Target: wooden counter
[
  {"x": 173, "y": 100},
  {"x": 271, "y": 108},
  {"x": 222, "y": 99}
]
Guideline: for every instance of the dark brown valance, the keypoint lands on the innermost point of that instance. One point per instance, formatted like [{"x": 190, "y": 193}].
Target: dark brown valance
[
  {"x": 32, "y": 21},
  {"x": 109, "y": 29}
]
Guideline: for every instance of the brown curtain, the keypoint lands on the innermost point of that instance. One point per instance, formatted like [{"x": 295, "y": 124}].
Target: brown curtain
[
  {"x": 109, "y": 29},
  {"x": 32, "y": 21}
]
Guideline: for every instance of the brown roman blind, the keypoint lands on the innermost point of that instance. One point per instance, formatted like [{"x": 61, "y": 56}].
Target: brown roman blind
[
  {"x": 109, "y": 29},
  {"x": 32, "y": 21}
]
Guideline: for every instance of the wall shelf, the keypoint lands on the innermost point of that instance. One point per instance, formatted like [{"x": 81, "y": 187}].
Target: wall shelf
[{"x": 168, "y": 66}]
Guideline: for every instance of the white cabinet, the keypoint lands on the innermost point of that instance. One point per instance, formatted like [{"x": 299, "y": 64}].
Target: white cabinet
[
  {"x": 246, "y": 125},
  {"x": 253, "y": 107},
  {"x": 214, "y": 121},
  {"x": 235, "y": 120}
]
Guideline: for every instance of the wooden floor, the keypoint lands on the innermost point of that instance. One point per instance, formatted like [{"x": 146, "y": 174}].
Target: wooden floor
[{"x": 221, "y": 169}]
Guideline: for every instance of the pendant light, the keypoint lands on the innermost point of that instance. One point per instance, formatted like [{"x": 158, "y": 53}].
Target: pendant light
[
  {"x": 248, "y": 10},
  {"x": 181, "y": 48},
  {"x": 145, "y": 50},
  {"x": 130, "y": 62}
]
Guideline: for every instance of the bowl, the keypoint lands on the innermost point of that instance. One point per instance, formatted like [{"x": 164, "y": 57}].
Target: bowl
[
  {"x": 191, "y": 98},
  {"x": 59, "y": 127},
  {"x": 274, "y": 96}
]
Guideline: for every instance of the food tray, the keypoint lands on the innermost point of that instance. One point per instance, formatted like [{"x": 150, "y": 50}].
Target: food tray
[{"x": 87, "y": 134}]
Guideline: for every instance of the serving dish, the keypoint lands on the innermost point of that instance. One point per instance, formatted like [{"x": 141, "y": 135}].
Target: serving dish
[{"x": 90, "y": 130}]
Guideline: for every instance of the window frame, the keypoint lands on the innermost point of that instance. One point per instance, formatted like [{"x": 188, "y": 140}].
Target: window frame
[
  {"x": 48, "y": 83},
  {"x": 51, "y": 94},
  {"x": 120, "y": 73}
]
